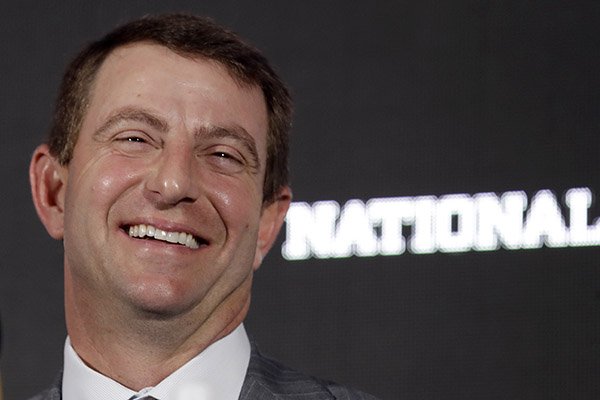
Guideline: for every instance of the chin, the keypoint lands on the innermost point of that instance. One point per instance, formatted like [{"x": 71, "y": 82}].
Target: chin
[{"x": 160, "y": 300}]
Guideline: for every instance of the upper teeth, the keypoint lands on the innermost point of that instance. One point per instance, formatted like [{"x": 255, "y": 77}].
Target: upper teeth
[{"x": 172, "y": 237}]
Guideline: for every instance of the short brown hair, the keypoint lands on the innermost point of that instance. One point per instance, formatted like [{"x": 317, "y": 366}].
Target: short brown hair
[{"x": 187, "y": 35}]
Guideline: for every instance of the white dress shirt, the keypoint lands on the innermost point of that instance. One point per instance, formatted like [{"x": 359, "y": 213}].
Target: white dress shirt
[{"x": 216, "y": 374}]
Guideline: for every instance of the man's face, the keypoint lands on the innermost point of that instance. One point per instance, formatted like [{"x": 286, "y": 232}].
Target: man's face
[{"x": 172, "y": 149}]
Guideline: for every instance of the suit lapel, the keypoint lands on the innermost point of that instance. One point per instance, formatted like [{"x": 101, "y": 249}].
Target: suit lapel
[{"x": 266, "y": 379}]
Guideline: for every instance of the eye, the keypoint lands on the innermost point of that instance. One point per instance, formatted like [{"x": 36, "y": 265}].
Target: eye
[
  {"x": 133, "y": 142},
  {"x": 225, "y": 161},
  {"x": 129, "y": 137},
  {"x": 134, "y": 139},
  {"x": 223, "y": 154}
]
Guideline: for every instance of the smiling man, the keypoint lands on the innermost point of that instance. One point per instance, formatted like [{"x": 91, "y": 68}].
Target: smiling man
[{"x": 165, "y": 176}]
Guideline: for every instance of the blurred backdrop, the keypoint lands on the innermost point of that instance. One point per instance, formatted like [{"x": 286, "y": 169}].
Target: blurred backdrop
[{"x": 436, "y": 249}]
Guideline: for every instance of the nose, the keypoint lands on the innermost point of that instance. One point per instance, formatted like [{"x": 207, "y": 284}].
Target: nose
[{"x": 171, "y": 180}]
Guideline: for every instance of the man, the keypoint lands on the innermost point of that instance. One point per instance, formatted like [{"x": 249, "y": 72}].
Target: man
[{"x": 165, "y": 175}]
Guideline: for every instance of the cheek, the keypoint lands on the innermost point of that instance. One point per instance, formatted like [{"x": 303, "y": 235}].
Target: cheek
[
  {"x": 111, "y": 182},
  {"x": 238, "y": 203},
  {"x": 99, "y": 184}
]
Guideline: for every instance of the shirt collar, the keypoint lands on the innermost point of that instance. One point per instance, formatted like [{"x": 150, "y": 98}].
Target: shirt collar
[{"x": 216, "y": 373}]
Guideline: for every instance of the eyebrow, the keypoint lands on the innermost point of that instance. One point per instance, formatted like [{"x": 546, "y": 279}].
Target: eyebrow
[{"x": 133, "y": 114}]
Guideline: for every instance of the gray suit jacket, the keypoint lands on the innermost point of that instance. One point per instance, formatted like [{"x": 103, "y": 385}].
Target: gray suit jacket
[{"x": 266, "y": 379}]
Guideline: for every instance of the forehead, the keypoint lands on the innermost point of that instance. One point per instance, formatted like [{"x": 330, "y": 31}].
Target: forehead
[{"x": 194, "y": 89}]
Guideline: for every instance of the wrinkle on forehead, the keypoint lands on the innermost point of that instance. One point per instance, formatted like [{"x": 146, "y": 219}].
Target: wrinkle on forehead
[{"x": 145, "y": 60}]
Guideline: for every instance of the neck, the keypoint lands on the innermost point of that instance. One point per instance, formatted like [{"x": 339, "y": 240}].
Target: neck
[{"x": 139, "y": 349}]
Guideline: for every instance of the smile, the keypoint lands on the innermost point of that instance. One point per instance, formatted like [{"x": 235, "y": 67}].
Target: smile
[{"x": 149, "y": 231}]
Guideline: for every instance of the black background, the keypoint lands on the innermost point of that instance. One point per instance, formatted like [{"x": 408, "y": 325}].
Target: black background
[{"x": 392, "y": 99}]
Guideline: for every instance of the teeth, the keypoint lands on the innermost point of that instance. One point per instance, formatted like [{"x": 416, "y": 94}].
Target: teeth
[
  {"x": 171, "y": 237},
  {"x": 160, "y": 234}
]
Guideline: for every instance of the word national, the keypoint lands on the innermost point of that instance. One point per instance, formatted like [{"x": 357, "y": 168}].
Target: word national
[{"x": 450, "y": 224}]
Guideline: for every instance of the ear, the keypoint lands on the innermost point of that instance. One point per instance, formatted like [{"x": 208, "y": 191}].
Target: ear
[
  {"x": 271, "y": 220},
  {"x": 48, "y": 182}
]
